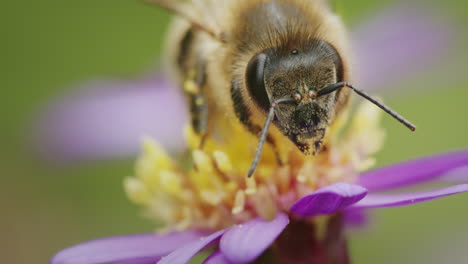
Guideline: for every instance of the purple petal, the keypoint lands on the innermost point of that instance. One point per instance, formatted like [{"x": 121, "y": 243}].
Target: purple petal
[
  {"x": 244, "y": 243},
  {"x": 131, "y": 249},
  {"x": 355, "y": 218},
  {"x": 217, "y": 258},
  {"x": 329, "y": 199},
  {"x": 185, "y": 253},
  {"x": 107, "y": 119},
  {"x": 415, "y": 171},
  {"x": 457, "y": 175},
  {"x": 399, "y": 42},
  {"x": 393, "y": 200}
]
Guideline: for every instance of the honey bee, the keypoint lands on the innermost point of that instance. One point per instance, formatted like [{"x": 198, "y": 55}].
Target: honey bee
[{"x": 264, "y": 62}]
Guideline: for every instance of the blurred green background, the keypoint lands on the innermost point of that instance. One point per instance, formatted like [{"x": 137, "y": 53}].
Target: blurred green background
[{"x": 49, "y": 45}]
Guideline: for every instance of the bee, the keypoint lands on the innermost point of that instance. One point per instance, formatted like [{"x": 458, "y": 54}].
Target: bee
[{"x": 280, "y": 63}]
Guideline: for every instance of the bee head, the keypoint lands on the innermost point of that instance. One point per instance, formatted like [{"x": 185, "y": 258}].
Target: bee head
[{"x": 298, "y": 73}]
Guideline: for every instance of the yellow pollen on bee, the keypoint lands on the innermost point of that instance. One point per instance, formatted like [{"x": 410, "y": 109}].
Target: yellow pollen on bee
[{"x": 191, "y": 87}]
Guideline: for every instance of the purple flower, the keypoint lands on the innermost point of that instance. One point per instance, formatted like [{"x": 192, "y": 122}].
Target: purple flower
[
  {"x": 106, "y": 119},
  {"x": 244, "y": 243}
]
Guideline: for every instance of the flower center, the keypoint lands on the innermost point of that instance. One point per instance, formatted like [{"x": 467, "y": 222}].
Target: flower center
[{"x": 215, "y": 192}]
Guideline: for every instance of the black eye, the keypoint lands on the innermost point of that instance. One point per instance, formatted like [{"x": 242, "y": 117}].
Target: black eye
[
  {"x": 294, "y": 51},
  {"x": 255, "y": 81}
]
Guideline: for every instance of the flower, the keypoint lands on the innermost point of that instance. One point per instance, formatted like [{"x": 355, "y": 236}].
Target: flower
[
  {"x": 82, "y": 125},
  {"x": 289, "y": 210}
]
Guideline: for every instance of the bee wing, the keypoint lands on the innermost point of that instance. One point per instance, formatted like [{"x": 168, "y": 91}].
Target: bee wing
[{"x": 198, "y": 12}]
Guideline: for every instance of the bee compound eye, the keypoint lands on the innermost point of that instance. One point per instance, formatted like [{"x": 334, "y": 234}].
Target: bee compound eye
[
  {"x": 297, "y": 97},
  {"x": 255, "y": 81}
]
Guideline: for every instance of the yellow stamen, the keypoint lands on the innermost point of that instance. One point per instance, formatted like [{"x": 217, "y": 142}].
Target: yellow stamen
[
  {"x": 202, "y": 161},
  {"x": 170, "y": 182},
  {"x": 239, "y": 202},
  {"x": 251, "y": 186},
  {"x": 212, "y": 198},
  {"x": 137, "y": 191},
  {"x": 222, "y": 161}
]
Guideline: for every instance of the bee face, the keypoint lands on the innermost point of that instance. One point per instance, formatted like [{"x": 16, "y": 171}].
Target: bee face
[{"x": 297, "y": 73}]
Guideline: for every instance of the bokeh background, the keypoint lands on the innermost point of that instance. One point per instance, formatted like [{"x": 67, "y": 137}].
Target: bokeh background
[{"x": 50, "y": 46}]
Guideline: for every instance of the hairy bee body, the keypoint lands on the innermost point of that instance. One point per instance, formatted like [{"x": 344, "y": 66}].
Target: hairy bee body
[{"x": 215, "y": 73}]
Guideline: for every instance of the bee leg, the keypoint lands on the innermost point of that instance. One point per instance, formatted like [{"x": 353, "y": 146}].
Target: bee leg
[
  {"x": 193, "y": 87},
  {"x": 199, "y": 116}
]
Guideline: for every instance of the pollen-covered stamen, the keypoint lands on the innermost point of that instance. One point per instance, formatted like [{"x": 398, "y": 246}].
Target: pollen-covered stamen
[
  {"x": 239, "y": 203},
  {"x": 222, "y": 161},
  {"x": 251, "y": 186}
]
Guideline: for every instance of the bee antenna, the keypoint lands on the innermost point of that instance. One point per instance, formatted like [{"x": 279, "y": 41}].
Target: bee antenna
[
  {"x": 336, "y": 86},
  {"x": 263, "y": 135}
]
